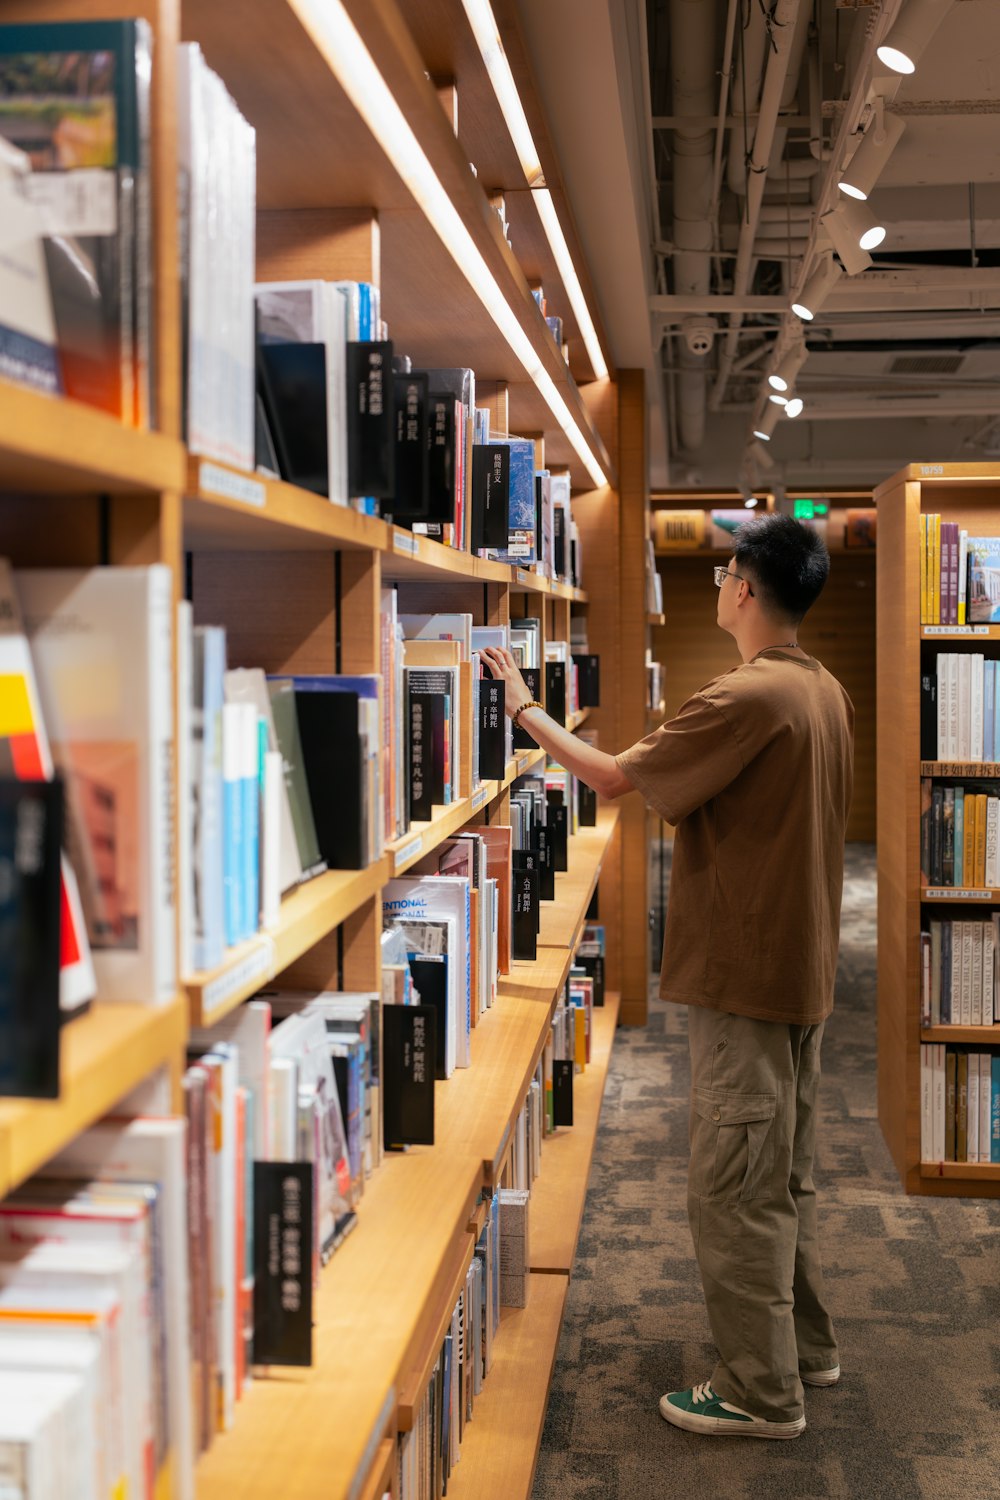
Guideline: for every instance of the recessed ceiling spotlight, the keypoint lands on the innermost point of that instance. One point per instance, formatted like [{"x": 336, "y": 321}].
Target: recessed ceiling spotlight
[
  {"x": 750, "y": 503},
  {"x": 794, "y": 407},
  {"x": 910, "y": 33},
  {"x": 777, "y": 398},
  {"x": 865, "y": 166},
  {"x": 846, "y": 224},
  {"x": 818, "y": 287},
  {"x": 782, "y": 377}
]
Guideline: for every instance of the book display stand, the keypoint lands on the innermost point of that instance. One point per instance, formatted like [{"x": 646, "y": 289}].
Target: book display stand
[
  {"x": 967, "y": 494},
  {"x": 296, "y": 581}
]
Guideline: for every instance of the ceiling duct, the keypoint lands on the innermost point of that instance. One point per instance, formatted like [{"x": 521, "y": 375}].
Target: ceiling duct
[{"x": 926, "y": 364}]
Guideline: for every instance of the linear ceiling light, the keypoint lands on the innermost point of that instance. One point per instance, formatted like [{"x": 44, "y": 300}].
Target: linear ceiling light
[
  {"x": 782, "y": 377},
  {"x": 846, "y": 232},
  {"x": 767, "y": 423},
  {"x": 354, "y": 68},
  {"x": 818, "y": 287},
  {"x": 910, "y": 33},
  {"x": 865, "y": 166},
  {"x": 484, "y": 28}
]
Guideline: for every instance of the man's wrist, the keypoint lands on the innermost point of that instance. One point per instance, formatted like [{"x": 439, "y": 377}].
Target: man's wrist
[{"x": 531, "y": 703}]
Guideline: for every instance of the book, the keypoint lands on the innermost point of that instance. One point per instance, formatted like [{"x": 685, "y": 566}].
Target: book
[
  {"x": 102, "y": 642},
  {"x": 678, "y": 530},
  {"x": 441, "y": 898},
  {"x": 76, "y": 99},
  {"x": 29, "y": 353},
  {"x": 31, "y": 821},
  {"x": 983, "y": 600},
  {"x": 208, "y": 667},
  {"x": 281, "y": 691},
  {"x": 338, "y": 721},
  {"x": 291, "y": 380}
]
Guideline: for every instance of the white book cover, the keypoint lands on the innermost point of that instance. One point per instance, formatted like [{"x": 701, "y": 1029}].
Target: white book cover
[
  {"x": 967, "y": 963},
  {"x": 102, "y": 642},
  {"x": 976, "y": 995},
  {"x": 441, "y": 627},
  {"x": 223, "y": 1066},
  {"x": 989, "y": 972},
  {"x": 939, "y": 1105},
  {"x": 964, "y": 708},
  {"x": 248, "y": 1029},
  {"x": 926, "y": 1094},
  {"x": 985, "y": 1105},
  {"x": 249, "y": 685},
  {"x": 976, "y": 663},
  {"x": 28, "y": 345},
  {"x": 993, "y": 842},
  {"x": 119, "y": 1271},
  {"x": 956, "y": 972},
  {"x": 46, "y": 1445},
  {"x": 185, "y": 818},
  {"x": 953, "y": 710},
  {"x": 442, "y": 896},
  {"x": 153, "y": 1150},
  {"x": 283, "y": 1078},
  {"x": 65, "y": 1350}
]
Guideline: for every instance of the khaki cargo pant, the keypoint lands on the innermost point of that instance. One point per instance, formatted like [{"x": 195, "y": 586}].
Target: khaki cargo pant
[{"x": 752, "y": 1206}]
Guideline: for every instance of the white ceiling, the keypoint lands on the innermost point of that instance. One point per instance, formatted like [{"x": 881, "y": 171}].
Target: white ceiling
[{"x": 602, "y": 82}]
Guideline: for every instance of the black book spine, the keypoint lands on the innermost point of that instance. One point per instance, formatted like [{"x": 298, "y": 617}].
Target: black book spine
[
  {"x": 937, "y": 831},
  {"x": 426, "y": 754},
  {"x": 555, "y": 690},
  {"x": 559, "y": 541},
  {"x": 588, "y": 668},
  {"x": 928, "y": 716},
  {"x": 524, "y": 924},
  {"x": 412, "y": 452},
  {"x": 335, "y": 773},
  {"x": 490, "y": 495},
  {"x": 491, "y": 729},
  {"x": 588, "y": 806},
  {"x": 371, "y": 436},
  {"x": 533, "y": 680}
]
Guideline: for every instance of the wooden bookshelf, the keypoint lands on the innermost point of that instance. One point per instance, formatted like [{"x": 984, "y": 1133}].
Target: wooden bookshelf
[
  {"x": 500, "y": 1446},
  {"x": 563, "y": 919},
  {"x": 227, "y": 509},
  {"x": 105, "y": 1054},
  {"x": 652, "y": 619},
  {"x": 577, "y": 720},
  {"x": 559, "y": 1195},
  {"x": 968, "y": 494},
  {"x": 424, "y": 838}
]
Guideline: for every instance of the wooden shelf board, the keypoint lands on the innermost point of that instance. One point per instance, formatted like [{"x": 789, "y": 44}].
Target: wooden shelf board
[
  {"x": 563, "y": 918},
  {"x": 961, "y": 1171},
  {"x": 500, "y": 1446},
  {"x": 958, "y": 1035},
  {"x": 940, "y": 893},
  {"x": 574, "y": 721},
  {"x": 567, "y": 591},
  {"x": 105, "y": 1054},
  {"x": 653, "y": 619},
  {"x": 409, "y": 556},
  {"x": 308, "y": 914},
  {"x": 532, "y": 582},
  {"x": 538, "y": 980},
  {"x": 558, "y": 1196},
  {"x": 228, "y": 509},
  {"x": 276, "y": 66},
  {"x": 49, "y": 443}
]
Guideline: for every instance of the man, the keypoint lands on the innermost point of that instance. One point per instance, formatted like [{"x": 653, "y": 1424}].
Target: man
[{"x": 755, "y": 773}]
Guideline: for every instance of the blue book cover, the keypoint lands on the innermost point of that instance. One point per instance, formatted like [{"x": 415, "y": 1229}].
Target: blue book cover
[
  {"x": 959, "y": 834},
  {"x": 984, "y": 580},
  {"x": 233, "y": 868},
  {"x": 522, "y": 511},
  {"x": 989, "y": 708},
  {"x": 995, "y": 1108},
  {"x": 250, "y": 787},
  {"x": 209, "y": 671}
]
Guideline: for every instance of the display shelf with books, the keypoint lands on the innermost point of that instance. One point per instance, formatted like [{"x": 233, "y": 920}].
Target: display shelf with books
[
  {"x": 562, "y": 920},
  {"x": 917, "y": 585},
  {"x": 307, "y": 916},
  {"x": 230, "y": 509},
  {"x": 558, "y": 1197},
  {"x": 576, "y": 720},
  {"x": 106, "y": 1053}
]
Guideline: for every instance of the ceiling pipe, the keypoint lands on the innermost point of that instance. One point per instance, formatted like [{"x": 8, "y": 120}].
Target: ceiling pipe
[
  {"x": 692, "y": 67},
  {"x": 788, "y": 16}
]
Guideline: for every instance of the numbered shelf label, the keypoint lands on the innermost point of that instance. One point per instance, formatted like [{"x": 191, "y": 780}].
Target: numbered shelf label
[
  {"x": 408, "y": 851},
  {"x": 251, "y": 969},
  {"x": 955, "y": 629},
  {"x": 406, "y": 542},
  {"x": 946, "y": 893},
  {"x": 215, "y": 480}
]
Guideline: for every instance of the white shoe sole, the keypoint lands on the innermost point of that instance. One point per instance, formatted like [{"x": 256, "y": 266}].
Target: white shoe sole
[
  {"x": 820, "y": 1377},
  {"x": 721, "y": 1426}
]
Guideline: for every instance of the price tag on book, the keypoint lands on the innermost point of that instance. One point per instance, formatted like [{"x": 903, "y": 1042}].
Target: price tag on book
[
  {"x": 406, "y": 542},
  {"x": 408, "y": 852},
  {"x": 215, "y": 480},
  {"x": 480, "y": 797},
  {"x": 956, "y": 630},
  {"x": 241, "y": 977},
  {"x": 945, "y": 893}
]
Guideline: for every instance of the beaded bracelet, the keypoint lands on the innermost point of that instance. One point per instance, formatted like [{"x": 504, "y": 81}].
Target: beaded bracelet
[{"x": 532, "y": 703}]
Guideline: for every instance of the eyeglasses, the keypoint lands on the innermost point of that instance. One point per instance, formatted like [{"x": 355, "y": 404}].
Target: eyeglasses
[{"x": 721, "y": 574}]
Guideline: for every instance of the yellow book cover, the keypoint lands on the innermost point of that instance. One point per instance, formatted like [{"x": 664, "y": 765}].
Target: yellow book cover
[
  {"x": 969, "y": 842},
  {"x": 931, "y": 570},
  {"x": 580, "y": 1036},
  {"x": 678, "y": 530},
  {"x": 981, "y": 801},
  {"x": 923, "y": 569},
  {"x": 936, "y": 580}
]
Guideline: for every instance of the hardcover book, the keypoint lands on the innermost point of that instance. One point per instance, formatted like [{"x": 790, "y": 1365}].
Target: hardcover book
[
  {"x": 31, "y": 815},
  {"x": 371, "y": 420},
  {"x": 409, "y": 1043},
  {"x": 983, "y": 599}
]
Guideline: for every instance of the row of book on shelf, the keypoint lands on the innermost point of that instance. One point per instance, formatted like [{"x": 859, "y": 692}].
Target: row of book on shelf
[
  {"x": 960, "y": 708},
  {"x": 714, "y": 529},
  {"x": 959, "y": 835},
  {"x": 279, "y": 778},
  {"x": 959, "y": 574},
  {"x": 959, "y": 973},
  {"x": 959, "y": 1104},
  {"x": 297, "y": 378},
  {"x": 140, "y": 1258}
]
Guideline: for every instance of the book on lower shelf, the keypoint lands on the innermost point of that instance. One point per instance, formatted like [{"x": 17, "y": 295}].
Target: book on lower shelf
[{"x": 959, "y": 1104}]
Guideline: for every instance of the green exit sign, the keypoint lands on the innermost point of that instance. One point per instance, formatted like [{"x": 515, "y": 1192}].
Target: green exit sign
[{"x": 809, "y": 510}]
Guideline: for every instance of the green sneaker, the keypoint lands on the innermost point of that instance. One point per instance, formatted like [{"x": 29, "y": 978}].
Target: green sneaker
[{"x": 701, "y": 1410}]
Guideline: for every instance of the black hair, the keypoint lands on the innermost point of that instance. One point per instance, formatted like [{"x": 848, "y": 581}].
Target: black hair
[{"x": 787, "y": 563}]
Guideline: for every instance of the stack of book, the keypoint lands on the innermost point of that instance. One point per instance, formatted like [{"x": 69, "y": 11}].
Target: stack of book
[
  {"x": 960, "y": 834},
  {"x": 959, "y": 1104},
  {"x": 958, "y": 973},
  {"x": 960, "y": 708},
  {"x": 959, "y": 574}
]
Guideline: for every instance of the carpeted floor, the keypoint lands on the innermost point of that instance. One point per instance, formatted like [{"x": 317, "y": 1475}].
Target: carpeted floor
[{"x": 914, "y": 1287}]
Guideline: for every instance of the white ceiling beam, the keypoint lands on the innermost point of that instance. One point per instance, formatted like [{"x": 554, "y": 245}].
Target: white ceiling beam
[{"x": 933, "y": 289}]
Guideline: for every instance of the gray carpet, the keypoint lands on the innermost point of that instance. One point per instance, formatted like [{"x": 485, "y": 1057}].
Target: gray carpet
[{"x": 913, "y": 1283}]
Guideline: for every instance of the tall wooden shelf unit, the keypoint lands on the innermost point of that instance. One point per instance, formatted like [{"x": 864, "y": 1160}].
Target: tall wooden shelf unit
[
  {"x": 970, "y": 495},
  {"x": 297, "y": 584}
]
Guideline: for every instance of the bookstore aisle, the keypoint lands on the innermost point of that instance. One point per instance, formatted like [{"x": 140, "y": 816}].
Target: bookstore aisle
[{"x": 912, "y": 1283}]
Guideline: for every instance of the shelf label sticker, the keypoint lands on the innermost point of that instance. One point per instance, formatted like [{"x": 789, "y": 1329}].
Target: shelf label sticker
[
  {"x": 969, "y": 770},
  {"x": 480, "y": 797},
  {"x": 946, "y": 893},
  {"x": 405, "y": 541},
  {"x": 956, "y": 630},
  {"x": 215, "y": 480},
  {"x": 932, "y": 471},
  {"x": 408, "y": 851},
  {"x": 255, "y": 967}
]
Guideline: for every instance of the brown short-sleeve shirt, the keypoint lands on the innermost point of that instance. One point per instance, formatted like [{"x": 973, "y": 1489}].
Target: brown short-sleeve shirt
[{"x": 756, "y": 772}]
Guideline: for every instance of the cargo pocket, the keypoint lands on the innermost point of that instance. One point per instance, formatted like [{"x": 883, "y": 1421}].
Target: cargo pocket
[{"x": 732, "y": 1144}]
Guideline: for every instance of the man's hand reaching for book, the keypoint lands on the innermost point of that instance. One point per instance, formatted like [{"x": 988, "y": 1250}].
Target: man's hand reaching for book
[{"x": 504, "y": 667}]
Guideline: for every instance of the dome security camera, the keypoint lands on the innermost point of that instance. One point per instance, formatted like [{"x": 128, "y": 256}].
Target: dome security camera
[{"x": 699, "y": 335}]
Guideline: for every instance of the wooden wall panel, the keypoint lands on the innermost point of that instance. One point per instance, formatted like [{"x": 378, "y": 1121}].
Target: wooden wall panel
[
  {"x": 839, "y": 630},
  {"x": 336, "y": 244}
]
